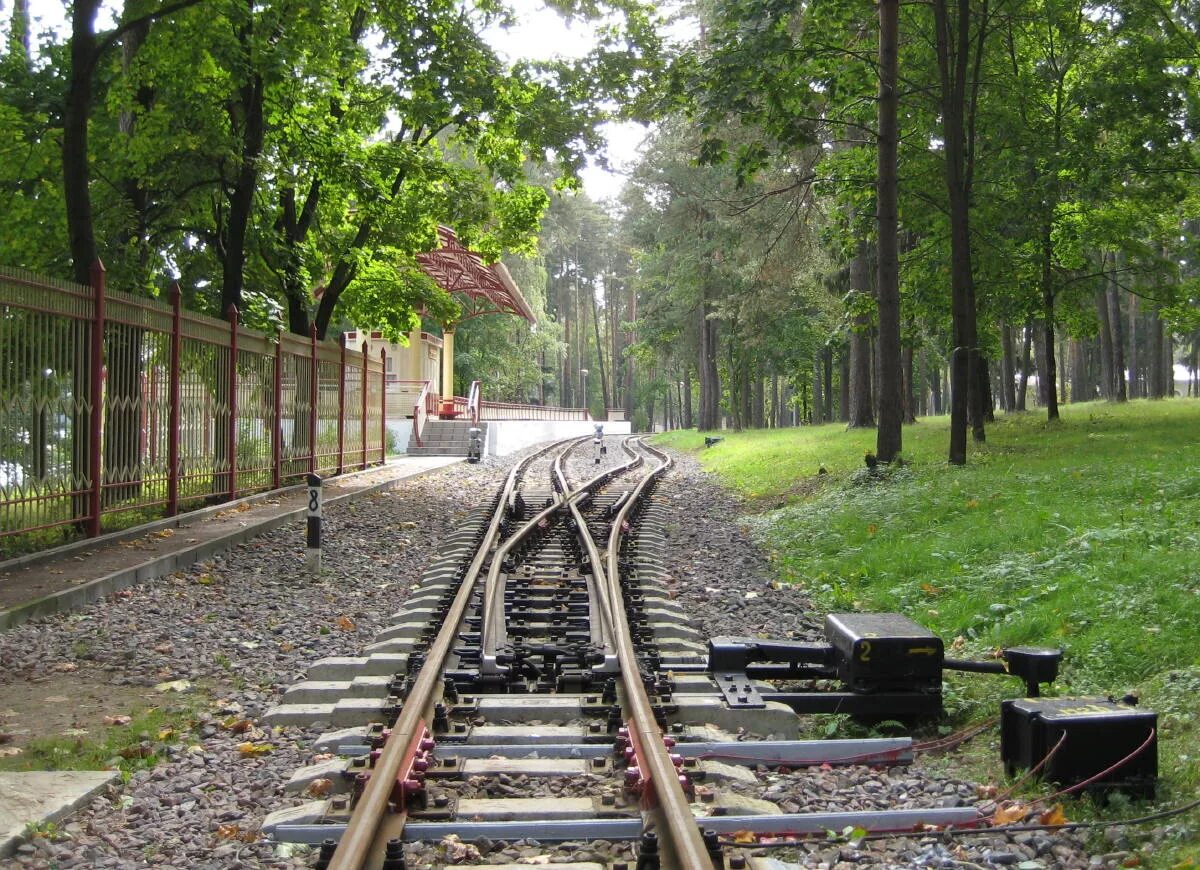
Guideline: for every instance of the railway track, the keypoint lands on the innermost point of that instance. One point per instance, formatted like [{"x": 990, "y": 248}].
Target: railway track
[{"x": 542, "y": 685}]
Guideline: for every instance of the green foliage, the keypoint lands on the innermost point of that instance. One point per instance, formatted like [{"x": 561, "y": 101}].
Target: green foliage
[{"x": 1080, "y": 535}]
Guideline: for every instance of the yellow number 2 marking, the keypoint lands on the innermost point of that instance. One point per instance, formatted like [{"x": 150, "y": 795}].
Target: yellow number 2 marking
[{"x": 864, "y": 651}]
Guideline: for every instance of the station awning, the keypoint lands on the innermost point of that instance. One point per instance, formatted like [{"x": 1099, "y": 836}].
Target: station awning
[{"x": 483, "y": 289}]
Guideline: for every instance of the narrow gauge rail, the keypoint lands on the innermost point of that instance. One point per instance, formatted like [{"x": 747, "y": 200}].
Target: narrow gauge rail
[
  {"x": 372, "y": 826},
  {"x": 546, "y": 608}
]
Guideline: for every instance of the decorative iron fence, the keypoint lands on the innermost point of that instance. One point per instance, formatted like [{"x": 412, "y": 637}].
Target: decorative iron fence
[{"x": 112, "y": 404}]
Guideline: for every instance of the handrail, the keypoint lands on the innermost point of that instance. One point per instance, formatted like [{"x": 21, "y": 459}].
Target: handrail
[
  {"x": 420, "y": 412},
  {"x": 473, "y": 402}
]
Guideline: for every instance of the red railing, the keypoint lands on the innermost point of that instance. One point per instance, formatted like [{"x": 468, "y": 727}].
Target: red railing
[
  {"x": 112, "y": 404},
  {"x": 513, "y": 411}
]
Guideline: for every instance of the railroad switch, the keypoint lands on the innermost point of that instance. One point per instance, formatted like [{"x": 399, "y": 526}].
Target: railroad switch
[
  {"x": 1109, "y": 745},
  {"x": 887, "y": 666}
]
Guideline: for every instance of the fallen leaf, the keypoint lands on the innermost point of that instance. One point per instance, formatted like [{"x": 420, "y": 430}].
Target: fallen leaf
[
  {"x": 9, "y": 751},
  {"x": 166, "y": 733},
  {"x": 286, "y": 646},
  {"x": 930, "y": 589},
  {"x": 165, "y": 533},
  {"x": 744, "y": 837},
  {"x": 66, "y": 667},
  {"x": 139, "y": 751},
  {"x": 321, "y": 756},
  {"x": 1132, "y": 861},
  {"x": 958, "y": 642},
  {"x": 117, "y": 720},
  {"x": 872, "y": 529},
  {"x": 1010, "y": 814},
  {"x": 535, "y": 859},
  {"x": 164, "y": 648},
  {"x": 237, "y": 726},
  {"x": 1053, "y": 816},
  {"x": 249, "y": 750},
  {"x": 205, "y": 579},
  {"x": 174, "y": 686},
  {"x": 973, "y": 503},
  {"x": 319, "y": 787},
  {"x": 234, "y": 831},
  {"x": 345, "y": 623}
]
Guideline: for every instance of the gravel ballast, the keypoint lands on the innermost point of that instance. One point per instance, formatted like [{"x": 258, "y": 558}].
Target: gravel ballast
[{"x": 243, "y": 628}]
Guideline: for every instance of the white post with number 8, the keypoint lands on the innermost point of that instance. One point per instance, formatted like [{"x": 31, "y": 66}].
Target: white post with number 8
[{"x": 313, "y": 532}]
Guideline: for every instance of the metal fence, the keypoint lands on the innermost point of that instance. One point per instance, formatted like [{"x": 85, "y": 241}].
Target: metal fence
[{"x": 112, "y": 404}]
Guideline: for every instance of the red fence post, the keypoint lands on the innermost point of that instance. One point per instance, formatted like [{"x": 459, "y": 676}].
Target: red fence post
[
  {"x": 312, "y": 399},
  {"x": 232, "y": 313},
  {"x": 363, "y": 421},
  {"x": 277, "y": 417},
  {"x": 383, "y": 405},
  {"x": 96, "y": 418},
  {"x": 341, "y": 404},
  {"x": 173, "y": 401}
]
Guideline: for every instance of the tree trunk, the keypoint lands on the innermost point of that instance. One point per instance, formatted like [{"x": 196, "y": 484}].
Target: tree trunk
[
  {"x": 893, "y": 410},
  {"x": 710, "y": 383},
  {"x": 910, "y": 402},
  {"x": 1115, "y": 321},
  {"x": 1135, "y": 383},
  {"x": 818, "y": 390},
  {"x": 958, "y": 94},
  {"x": 629, "y": 366},
  {"x": 687, "y": 398},
  {"x": 1008, "y": 374},
  {"x": 1026, "y": 349},
  {"x": 935, "y": 389},
  {"x": 759, "y": 411},
  {"x": 827, "y": 365},
  {"x": 1108, "y": 379},
  {"x": 844, "y": 385},
  {"x": 1155, "y": 370},
  {"x": 604, "y": 394},
  {"x": 1080, "y": 385},
  {"x": 860, "y": 344}
]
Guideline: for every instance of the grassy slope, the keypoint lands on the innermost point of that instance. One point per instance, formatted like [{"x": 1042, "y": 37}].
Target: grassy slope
[{"x": 1083, "y": 535}]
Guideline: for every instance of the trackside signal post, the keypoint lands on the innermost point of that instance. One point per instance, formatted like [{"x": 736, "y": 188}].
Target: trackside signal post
[{"x": 313, "y": 535}]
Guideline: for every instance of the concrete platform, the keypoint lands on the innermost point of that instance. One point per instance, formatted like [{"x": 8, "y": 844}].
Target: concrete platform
[
  {"x": 41, "y": 797},
  {"x": 76, "y": 574}
]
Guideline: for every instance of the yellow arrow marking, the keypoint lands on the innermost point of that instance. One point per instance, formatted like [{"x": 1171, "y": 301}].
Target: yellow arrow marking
[{"x": 922, "y": 651}]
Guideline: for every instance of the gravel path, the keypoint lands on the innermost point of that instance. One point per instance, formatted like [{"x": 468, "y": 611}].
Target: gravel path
[{"x": 242, "y": 628}]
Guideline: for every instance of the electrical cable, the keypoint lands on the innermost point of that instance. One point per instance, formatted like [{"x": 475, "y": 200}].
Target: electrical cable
[{"x": 993, "y": 829}]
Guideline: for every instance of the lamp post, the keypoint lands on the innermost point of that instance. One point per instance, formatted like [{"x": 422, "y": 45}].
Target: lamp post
[{"x": 583, "y": 373}]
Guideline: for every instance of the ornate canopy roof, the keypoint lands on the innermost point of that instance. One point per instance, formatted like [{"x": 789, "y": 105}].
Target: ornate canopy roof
[{"x": 485, "y": 289}]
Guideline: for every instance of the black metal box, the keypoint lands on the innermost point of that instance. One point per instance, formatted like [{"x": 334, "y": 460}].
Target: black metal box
[
  {"x": 1091, "y": 735},
  {"x": 884, "y": 651}
]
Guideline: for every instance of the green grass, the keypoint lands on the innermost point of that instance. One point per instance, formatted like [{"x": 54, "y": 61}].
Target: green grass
[
  {"x": 139, "y": 744},
  {"x": 1084, "y": 535}
]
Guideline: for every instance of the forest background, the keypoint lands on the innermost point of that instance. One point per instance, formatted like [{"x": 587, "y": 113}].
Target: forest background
[{"x": 843, "y": 211}]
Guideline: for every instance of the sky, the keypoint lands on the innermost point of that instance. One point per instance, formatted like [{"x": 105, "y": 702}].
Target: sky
[{"x": 540, "y": 34}]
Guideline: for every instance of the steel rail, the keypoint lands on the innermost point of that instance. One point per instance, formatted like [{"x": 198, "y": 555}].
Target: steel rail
[
  {"x": 492, "y": 629},
  {"x": 365, "y": 835},
  {"x": 683, "y": 841},
  {"x": 597, "y": 587}
]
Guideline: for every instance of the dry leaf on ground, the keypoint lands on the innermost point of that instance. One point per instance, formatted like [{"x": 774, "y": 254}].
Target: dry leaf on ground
[
  {"x": 117, "y": 720},
  {"x": 1010, "y": 814}
]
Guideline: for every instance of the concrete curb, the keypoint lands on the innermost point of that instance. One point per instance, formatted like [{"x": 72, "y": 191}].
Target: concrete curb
[
  {"x": 94, "y": 590},
  {"x": 10, "y": 840}
]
